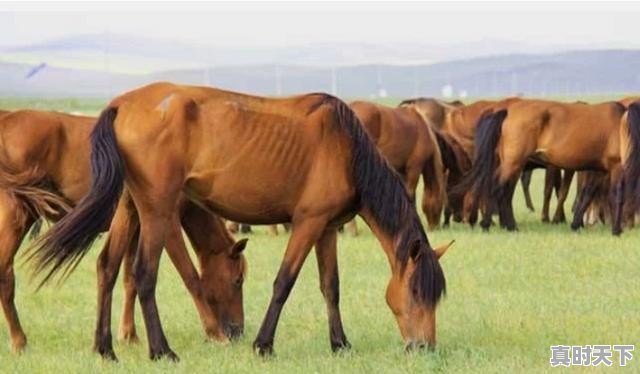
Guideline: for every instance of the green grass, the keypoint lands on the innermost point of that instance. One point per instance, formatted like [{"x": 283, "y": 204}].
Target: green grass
[{"x": 510, "y": 296}]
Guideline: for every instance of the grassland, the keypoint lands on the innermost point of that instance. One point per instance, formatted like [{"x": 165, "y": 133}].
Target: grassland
[{"x": 510, "y": 296}]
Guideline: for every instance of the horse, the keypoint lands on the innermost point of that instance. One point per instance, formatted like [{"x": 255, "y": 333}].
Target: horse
[
  {"x": 566, "y": 135},
  {"x": 302, "y": 159},
  {"x": 44, "y": 169},
  {"x": 460, "y": 124},
  {"x": 409, "y": 145}
]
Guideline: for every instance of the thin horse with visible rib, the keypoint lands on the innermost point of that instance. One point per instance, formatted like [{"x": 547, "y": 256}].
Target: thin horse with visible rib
[
  {"x": 303, "y": 159},
  {"x": 44, "y": 168}
]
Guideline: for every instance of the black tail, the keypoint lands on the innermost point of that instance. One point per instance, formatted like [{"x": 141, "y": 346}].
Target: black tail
[
  {"x": 481, "y": 179},
  {"x": 70, "y": 239},
  {"x": 631, "y": 170},
  {"x": 449, "y": 156}
]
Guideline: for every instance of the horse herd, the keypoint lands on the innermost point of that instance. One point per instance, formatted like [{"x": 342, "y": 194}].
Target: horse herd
[{"x": 165, "y": 158}]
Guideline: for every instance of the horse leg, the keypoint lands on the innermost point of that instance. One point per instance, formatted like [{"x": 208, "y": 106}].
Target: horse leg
[
  {"x": 326, "y": 255},
  {"x": 549, "y": 178},
  {"x": 121, "y": 238},
  {"x": 618, "y": 203},
  {"x": 434, "y": 189},
  {"x": 586, "y": 195},
  {"x": 304, "y": 234},
  {"x": 525, "y": 179},
  {"x": 559, "y": 216},
  {"x": 505, "y": 207},
  {"x": 179, "y": 255},
  {"x": 273, "y": 230},
  {"x": 352, "y": 227},
  {"x": 447, "y": 216},
  {"x": 127, "y": 330},
  {"x": 155, "y": 219},
  {"x": 14, "y": 223}
]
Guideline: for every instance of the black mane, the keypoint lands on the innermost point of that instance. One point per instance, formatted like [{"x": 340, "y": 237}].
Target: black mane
[{"x": 382, "y": 192}]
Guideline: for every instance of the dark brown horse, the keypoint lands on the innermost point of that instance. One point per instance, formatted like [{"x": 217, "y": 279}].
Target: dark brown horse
[
  {"x": 411, "y": 148},
  {"x": 569, "y": 136},
  {"x": 304, "y": 159},
  {"x": 44, "y": 168}
]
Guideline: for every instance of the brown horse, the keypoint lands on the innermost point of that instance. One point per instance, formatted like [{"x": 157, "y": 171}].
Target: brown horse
[
  {"x": 460, "y": 124},
  {"x": 44, "y": 166},
  {"x": 304, "y": 159},
  {"x": 565, "y": 135},
  {"x": 411, "y": 148}
]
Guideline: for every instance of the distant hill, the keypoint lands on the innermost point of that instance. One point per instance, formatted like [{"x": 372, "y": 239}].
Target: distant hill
[{"x": 569, "y": 73}]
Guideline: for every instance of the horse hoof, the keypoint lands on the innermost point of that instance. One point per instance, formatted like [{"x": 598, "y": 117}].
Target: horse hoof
[
  {"x": 18, "y": 345},
  {"x": 342, "y": 346},
  {"x": 263, "y": 349},
  {"x": 107, "y": 354},
  {"x": 168, "y": 354},
  {"x": 129, "y": 337},
  {"x": 218, "y": 337}
]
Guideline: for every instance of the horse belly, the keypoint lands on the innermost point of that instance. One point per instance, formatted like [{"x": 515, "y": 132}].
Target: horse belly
[{"x": 246, "y": 195}]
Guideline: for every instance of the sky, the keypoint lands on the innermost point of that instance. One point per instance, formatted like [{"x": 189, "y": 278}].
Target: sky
[{"x": 280, "y": 24}]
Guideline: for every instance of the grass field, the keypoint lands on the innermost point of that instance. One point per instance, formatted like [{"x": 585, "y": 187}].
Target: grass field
[{"x": 510, "y": 296}]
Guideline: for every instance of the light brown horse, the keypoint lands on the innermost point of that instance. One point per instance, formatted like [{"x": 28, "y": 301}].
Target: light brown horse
[
  {"x": 303, "y": 159},
  {"x": 566, "y": 135},
  {"x": 44, "y": 167},
  {"x": 411, "y": 148}
]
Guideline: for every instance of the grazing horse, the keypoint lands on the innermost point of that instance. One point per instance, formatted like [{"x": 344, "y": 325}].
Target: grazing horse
[
  {"x": 44, "y": 168},
  {"x": 410, "y": 147},
  {"x": 303, "y": 159},
  {"x": 565, "y": 135}
]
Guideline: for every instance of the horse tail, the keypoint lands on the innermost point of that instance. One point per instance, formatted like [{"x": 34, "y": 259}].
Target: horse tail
[
  {"x": 31, "y": 191},
  {"x": 481, "y": 179},
  {"x": 449, "y": 157},
  {"x": 435, "y": 191},
  {"x": 69, "y": 240},
  {"x": 631, "y": 168}
]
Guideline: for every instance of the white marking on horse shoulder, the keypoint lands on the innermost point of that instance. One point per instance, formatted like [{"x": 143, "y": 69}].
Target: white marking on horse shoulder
[{"x": 164, "y": 104}]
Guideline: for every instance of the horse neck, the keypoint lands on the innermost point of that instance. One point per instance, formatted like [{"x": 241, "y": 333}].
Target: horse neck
[{"x": 386, "y": 240}]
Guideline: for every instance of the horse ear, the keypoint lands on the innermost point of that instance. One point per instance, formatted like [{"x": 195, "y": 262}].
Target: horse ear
[
  {"x": 237, "y": 248},
  {"x": 441, "y": 249}
]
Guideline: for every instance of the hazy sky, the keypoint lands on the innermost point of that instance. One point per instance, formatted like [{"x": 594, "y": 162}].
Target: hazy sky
[{"x": 269, "y": 24}]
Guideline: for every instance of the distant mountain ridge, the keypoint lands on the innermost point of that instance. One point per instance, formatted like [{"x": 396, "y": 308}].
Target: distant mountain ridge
[{"x": 283, "y": 71}]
